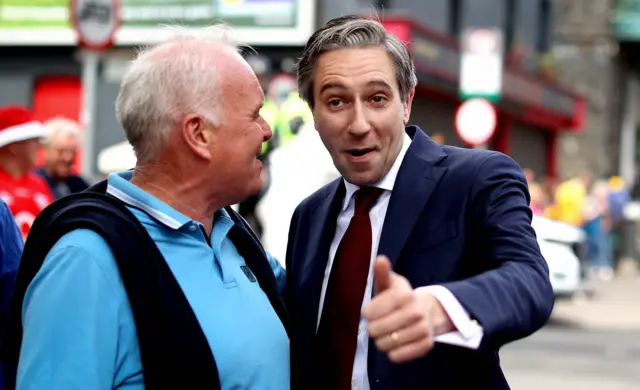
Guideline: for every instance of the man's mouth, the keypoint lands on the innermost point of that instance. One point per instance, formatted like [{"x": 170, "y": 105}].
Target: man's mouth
[{"x": 359, "y": 152}]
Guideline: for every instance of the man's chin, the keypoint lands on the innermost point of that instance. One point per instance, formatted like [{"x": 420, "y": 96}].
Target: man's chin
[{"x": 363, "y": 178}]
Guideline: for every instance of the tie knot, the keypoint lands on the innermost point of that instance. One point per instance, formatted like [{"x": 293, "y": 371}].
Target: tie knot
[{"x": 365, "y": 199}]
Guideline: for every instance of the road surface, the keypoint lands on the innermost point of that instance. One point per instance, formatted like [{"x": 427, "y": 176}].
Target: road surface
[{"x": 588, "y": 346}]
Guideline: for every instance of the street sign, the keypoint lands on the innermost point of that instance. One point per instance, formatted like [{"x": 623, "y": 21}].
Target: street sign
[
  {"x": 481, "y": 64},
  {"x": 475, "y": 122},
  {"x": 95, "y": 22}
]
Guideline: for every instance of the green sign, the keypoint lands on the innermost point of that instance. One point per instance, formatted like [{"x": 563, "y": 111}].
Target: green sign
[
  {"x": 55, "y": 13},
  {"x": 286, "y": 16},
  {"x": 626, "y": 20}
]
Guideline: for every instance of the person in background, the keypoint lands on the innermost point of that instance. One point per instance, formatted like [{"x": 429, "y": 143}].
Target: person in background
[
  {"x": 298, "y": 169},
  {"x": 538, "y": 199},
  {"x": 530, "y": 175},
  {"x": 154, "y": 282},
  {"x": 438, "y": 138},
  {"x": 597, "y": 227},
  {"x": 11, "y": 246},
  {"x": 26, "y": 193},
  {"x": 61, "y": 146},
  {"x": 619, "y": 197},
  {"x": 569, "y": 200}
]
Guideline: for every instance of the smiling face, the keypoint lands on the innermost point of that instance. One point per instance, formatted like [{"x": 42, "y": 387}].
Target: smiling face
[{"x": 359, "y": 113}]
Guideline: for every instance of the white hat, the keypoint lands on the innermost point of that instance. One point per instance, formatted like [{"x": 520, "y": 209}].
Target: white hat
[{"x": 17, "y": 124}]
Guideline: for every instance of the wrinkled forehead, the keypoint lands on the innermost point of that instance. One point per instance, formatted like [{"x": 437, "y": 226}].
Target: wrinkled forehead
[{"x": 354, "y": 68}]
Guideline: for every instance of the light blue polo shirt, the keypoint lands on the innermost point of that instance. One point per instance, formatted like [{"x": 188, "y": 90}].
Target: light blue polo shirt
[{"x": 79, "y": 331}]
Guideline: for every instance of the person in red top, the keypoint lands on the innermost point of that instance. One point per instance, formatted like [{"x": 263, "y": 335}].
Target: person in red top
[{"x": 23, "y": 191}]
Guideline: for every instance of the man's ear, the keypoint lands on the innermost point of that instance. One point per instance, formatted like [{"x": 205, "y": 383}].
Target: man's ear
[
  {"x": 197, "y": 135},
  {"x": 407, "y": 107}
]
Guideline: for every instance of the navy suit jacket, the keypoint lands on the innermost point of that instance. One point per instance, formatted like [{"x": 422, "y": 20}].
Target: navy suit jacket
[{"x": 457, "y": 217}]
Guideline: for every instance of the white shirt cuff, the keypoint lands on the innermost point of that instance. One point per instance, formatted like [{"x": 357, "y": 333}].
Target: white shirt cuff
[{"x": 469, "y": 333}]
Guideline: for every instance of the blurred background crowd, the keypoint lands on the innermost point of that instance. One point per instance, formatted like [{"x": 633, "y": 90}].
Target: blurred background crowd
[{"x": 567, "y": 109}]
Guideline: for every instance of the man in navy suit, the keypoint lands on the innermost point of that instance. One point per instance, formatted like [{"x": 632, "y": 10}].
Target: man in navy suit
[{"x": 414, "y": 268}]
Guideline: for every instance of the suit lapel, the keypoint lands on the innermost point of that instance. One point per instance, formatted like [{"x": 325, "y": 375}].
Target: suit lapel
[
  {"x": 417, "y": 179},
  {"x": 320, "y": 238}
]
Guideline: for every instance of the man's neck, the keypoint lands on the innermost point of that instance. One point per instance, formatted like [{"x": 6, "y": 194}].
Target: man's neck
[{"x": 184, "y": 196}]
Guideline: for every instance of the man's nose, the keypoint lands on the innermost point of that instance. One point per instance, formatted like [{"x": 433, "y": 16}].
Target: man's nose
[
  {"x": 266, "y": 130},
  {"x": 359, "y": 122}
]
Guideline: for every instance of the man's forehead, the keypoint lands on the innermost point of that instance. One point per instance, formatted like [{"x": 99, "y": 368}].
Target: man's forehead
[{"x": 354, "y": 68}]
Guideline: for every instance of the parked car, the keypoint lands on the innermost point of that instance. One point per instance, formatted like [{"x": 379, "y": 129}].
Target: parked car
[{"x": 560, "y": 245}]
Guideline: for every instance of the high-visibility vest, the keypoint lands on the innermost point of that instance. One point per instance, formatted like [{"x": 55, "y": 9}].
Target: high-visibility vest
[
  {"x": 291, "y": 108},
  {"x": 269, "y": 112}
]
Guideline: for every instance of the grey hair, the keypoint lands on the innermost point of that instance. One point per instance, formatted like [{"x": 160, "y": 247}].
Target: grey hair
[
  {"x": 60, "y": 127},
  {"x": 166, "y": 82},
  {"x": 355, "y": 31}
]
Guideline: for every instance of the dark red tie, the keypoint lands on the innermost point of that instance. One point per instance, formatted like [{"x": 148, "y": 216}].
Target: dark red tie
[{"x": 336, "y": 339}]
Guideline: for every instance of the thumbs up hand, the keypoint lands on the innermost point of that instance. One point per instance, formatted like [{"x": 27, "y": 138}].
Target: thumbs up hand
[{"x": 400, "y": 319}]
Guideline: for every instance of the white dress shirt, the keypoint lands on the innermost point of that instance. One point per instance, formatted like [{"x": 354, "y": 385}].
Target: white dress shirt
[{"x": 469, "y": 333}]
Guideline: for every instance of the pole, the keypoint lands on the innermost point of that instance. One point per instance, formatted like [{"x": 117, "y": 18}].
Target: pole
[{"x": 90, "y": 62}]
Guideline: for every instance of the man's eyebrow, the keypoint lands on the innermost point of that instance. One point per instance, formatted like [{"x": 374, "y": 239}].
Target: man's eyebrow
[
  {"x": 371, "y": 84},
  {"x": 332, "y": 85},
  {"x": 379, "y": 84}
]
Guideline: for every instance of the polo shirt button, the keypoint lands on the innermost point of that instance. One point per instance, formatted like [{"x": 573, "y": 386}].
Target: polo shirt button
[{"x": 192, "y": 228}]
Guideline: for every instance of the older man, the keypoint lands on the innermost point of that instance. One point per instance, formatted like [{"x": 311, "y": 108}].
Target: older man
[
  {"x": 460, "y": 263},
  {"x": 156, "y": 283},
  {"x": 61, "y": 147}
]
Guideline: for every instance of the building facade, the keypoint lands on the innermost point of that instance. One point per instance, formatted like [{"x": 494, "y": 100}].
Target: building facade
[
  {"x": 536, "y": 109},
  {"x": 626, "y": 91},
  {"x": 40, "y": 65}
]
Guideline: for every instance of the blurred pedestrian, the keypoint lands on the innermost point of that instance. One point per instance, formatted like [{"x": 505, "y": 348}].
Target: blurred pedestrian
[
  {"x": 149, "y": 280},
  {"x": 26, "y": 193},
  {"x": 597, "y": 228},
  {"x": 61, "y": 147}
]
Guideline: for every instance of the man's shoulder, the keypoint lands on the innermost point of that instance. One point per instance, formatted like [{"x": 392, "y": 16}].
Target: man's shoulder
[
  {"x": 312, "y": 201},
  {"x": 82, "y": 240},
  {"x": 82, "y": 246},
  {"x": 477, "y": 163},
  {"x": 466, "y": 156}
]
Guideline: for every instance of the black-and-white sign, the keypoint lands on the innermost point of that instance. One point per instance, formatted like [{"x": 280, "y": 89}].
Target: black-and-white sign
[{"x": 96, "y": 22}]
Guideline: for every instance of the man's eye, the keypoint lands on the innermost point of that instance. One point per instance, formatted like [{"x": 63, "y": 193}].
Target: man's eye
[
  {"x": 378, "y": 99},
  {"x": 335, "y": 102}
]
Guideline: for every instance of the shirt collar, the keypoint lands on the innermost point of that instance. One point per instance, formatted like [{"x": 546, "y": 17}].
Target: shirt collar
[
  {"x": 387, "y": 181},
  {"x": 120, "y": 187}
]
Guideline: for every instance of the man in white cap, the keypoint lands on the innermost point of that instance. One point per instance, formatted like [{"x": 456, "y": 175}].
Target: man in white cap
[{"x": 25, "y": 193}]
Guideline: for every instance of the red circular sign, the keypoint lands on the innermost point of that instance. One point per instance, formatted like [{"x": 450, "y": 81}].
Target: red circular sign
[
  {"x": 475, "y": 122},
  {"x": 95, "y": 22}
]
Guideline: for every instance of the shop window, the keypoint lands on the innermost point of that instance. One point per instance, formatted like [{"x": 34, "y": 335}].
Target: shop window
[
  {"x": 544, "y": 26},
  {"x": 454, "y": 18},
  {"x": 57, "y": 96},
  {"x": 510, "y": 24}
]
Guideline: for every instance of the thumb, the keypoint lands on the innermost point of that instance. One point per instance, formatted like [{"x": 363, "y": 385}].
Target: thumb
[{"x": 382, "y": 273}]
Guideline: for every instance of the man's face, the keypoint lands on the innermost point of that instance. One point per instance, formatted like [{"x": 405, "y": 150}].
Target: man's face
[
  {"x": 238, "y": 141},
  {"x": 359, "y": 113},
  {"x": 25, "y": 153},
  {"x": 60, "y": 155}
]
